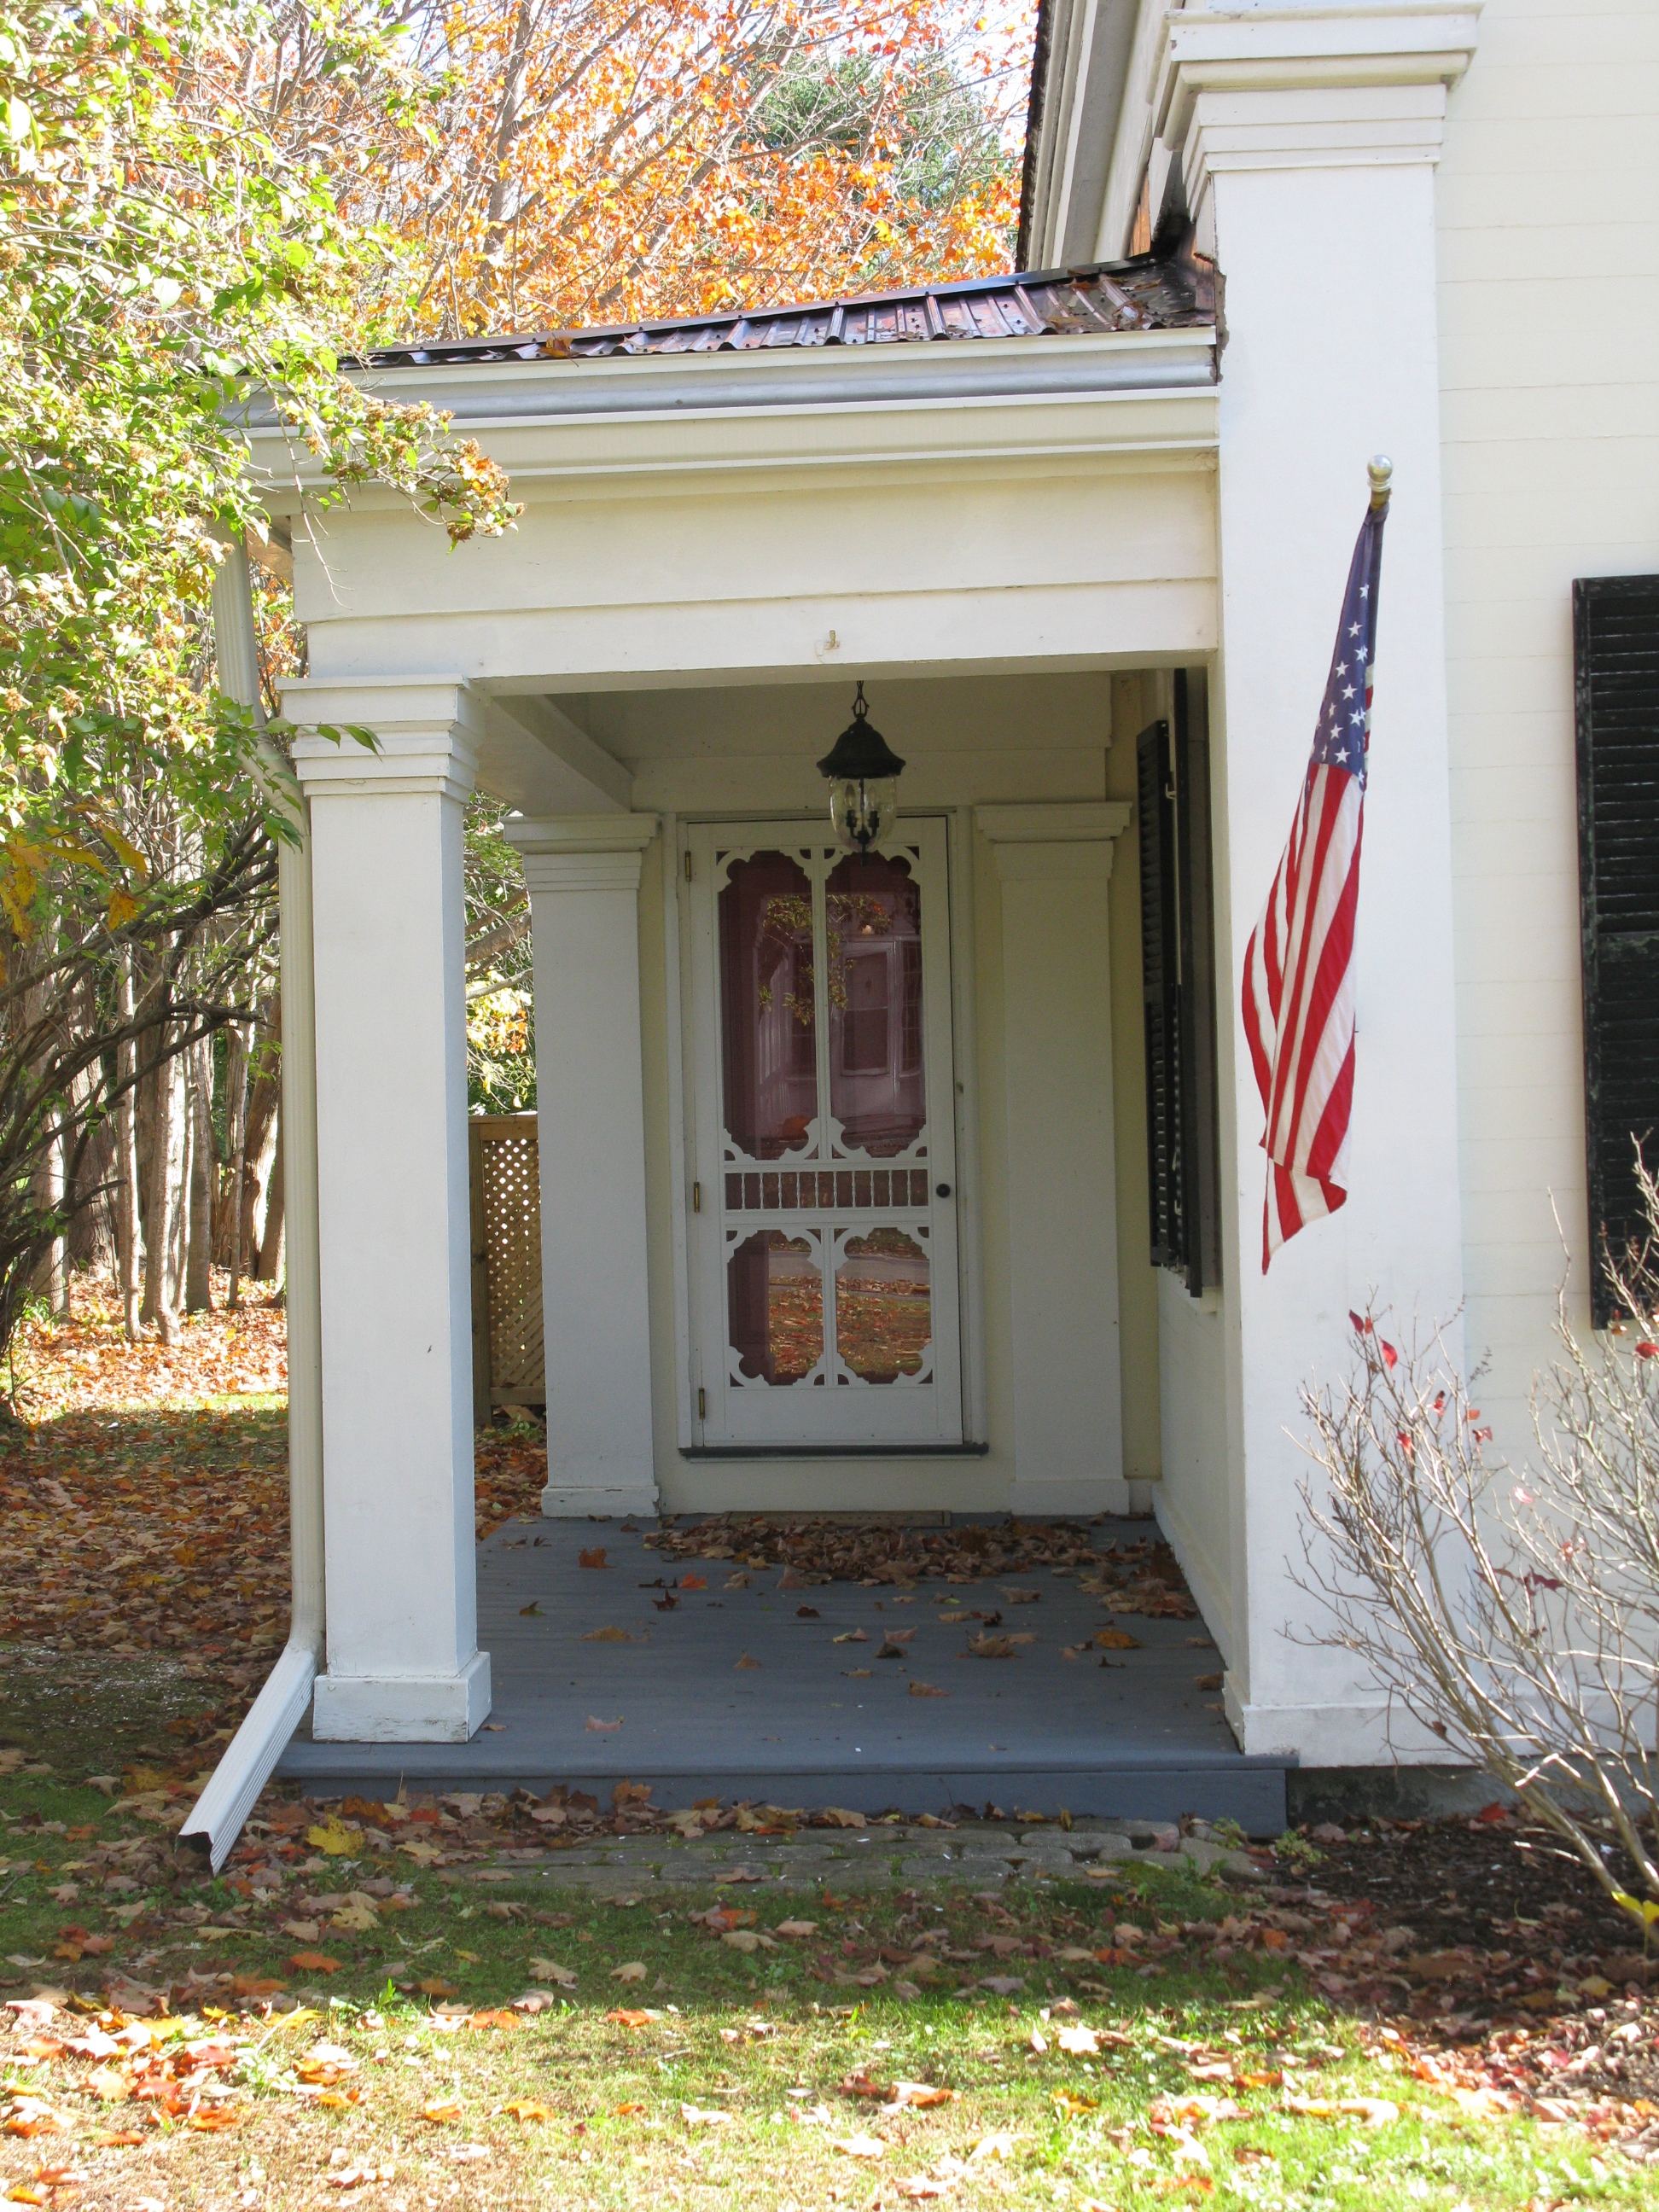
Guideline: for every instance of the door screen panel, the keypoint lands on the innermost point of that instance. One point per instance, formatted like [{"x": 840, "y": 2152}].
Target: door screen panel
[{"x": 825, "y": 1230}]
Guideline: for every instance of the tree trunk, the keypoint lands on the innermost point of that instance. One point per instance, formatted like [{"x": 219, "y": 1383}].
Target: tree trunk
[
  {"x": 162, "y": 1168},
  {"x": 53, "y": 1281},
  {"x": 198, "y": 1259},
  {"x": 126, "y": 1162},
  {"x": 235, "y": 1145},
  {"x": 259, "y": 1142},
  {"x": 271, "y": 1245}
]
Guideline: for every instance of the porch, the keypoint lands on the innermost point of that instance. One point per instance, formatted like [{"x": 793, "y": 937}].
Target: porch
[{"x": 1129, "y": 1733}]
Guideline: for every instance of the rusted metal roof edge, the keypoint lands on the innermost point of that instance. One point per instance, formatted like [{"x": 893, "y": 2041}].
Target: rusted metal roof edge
[{"x": 1142, "y": 294}]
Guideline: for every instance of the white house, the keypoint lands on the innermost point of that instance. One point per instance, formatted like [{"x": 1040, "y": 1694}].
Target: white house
[{"x": 846, "y": 1190}]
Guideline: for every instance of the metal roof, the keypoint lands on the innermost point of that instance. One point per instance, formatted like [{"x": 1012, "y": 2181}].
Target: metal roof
[{"x": 1171, "y": 291}]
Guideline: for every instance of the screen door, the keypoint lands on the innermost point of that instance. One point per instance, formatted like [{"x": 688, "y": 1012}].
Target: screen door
[{"x": 823, "y": 1242}]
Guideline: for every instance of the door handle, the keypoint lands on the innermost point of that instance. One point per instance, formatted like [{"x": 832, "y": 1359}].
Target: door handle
[{"x": 942, "y": 1190}]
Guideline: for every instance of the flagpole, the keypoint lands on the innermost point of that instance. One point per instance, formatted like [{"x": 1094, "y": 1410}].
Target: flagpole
[{"x": 1380, "y": 470}]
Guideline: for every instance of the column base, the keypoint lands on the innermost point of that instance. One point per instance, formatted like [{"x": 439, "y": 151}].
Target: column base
[
  {"x": 1073, "y": 1496},
  {"x": 402, "y": 1708},
  {"x": 580, "y": 1501}
]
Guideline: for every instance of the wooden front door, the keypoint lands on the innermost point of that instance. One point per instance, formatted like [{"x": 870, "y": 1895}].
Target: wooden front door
[{"x": 823, "y": 1234}]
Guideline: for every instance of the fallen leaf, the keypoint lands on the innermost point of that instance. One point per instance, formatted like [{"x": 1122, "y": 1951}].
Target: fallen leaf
[
  {"x": 359, "y": 1918},
  {"x": 628, "y": 2112},
  {"x": 523, "y": 2108},
  {"x": 605, "y": 1636},
  {"x": 1079, "y": 2042},
  {"x": 921, "y": 2096},
  {"x": 747, "y": 1661},
  {"x": 547, "y": 1970},
  {"x": 797, "y": 1927},
  {"x": 870, "y": 2147},
  {"x": 336, "y": 1841},
  {"x": 533, "y": 1611},
  {"x": 853, "y": 1636},
  {"x": 592, "y": 1558},
  {"x": 698, "y": 2116},
  {"x": 438, "y": 1989},
  {"x": 315, "y": 1962},
  {"x": 1117, "y": 1640},
  {"x": 857, "y": 1674},
  {"x": 602, "y": 1728},
  {"x": 927, "y": 1690},
  {"x": 633, "y": 1971},
  {"x": 991, "y": 1647},
  {"x": 302, "y": 1931},
  {"x": 693, "y": 1582},
  {"x": 1071, "y": 2106},
  {"x": 748, "y": 1940},
  {"x": 440, "y": 2113},
  {"x": 625, "y": 2018}
]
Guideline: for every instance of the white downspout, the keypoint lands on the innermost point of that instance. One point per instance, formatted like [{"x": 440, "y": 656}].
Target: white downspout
[{"x": 253, "y": 1752}]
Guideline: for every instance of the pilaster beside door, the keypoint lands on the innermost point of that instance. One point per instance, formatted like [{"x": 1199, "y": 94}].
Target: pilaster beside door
[
  {"x": 583, "y": 875},
  {"x": 1055, "y": 864}
]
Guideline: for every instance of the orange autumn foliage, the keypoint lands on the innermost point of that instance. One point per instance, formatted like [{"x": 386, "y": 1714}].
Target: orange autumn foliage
[{"x": 549, "y": 163}]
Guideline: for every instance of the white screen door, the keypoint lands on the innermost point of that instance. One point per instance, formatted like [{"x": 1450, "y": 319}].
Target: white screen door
[{"x": 823, "y": 1244}]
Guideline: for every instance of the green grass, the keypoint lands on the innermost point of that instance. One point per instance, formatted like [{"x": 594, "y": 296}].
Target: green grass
[{"x": 755, "y": 2037}]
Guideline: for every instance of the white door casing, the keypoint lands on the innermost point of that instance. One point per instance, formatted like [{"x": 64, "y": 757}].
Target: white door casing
[{"x": 822, "y": 1245}]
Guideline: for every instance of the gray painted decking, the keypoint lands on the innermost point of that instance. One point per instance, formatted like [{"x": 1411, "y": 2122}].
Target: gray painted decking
[{"x": 1034, "y": 1733}]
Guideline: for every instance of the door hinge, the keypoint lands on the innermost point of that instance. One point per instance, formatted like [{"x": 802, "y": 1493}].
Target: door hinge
[
  {"x": 702, "y": 1403},
  {"x": 697, "y": 1198},
  {"x": 688, "y": 866}
]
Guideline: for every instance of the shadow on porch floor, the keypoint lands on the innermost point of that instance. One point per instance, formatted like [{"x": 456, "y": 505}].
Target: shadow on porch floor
[{"x": 1136, "y": 1737}]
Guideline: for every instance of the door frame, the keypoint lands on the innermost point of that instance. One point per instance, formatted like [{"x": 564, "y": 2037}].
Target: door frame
[{"x": 956, "y": 925}]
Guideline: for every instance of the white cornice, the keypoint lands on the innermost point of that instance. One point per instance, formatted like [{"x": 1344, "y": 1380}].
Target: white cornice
[
  {"x": 1146, "y": 393},
  {"x": 1390, "y": 43},
  {"x": 426, "y": 736}
]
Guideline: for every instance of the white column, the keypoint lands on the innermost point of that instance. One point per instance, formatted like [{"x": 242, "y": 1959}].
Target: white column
[
  {"x": 1054, "y": 863},
  {"x": 1309, "y": 141},
  {"x": 403, "y": 1665},
  {"x": 583, "y": 874}
]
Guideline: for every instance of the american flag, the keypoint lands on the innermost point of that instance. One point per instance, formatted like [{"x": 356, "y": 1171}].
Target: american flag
[{"x": 1299, "y": 966}]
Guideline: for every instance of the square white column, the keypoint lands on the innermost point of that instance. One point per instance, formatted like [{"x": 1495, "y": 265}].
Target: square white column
[
  {"x": 1054, "y": 863},
  {"x": 404, "y": 1664},
  {"x": 583, "y": 875},
  {"x": 1309, "y": 140}
]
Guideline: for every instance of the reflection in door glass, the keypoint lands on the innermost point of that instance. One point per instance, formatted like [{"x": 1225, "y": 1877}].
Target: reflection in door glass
[
  {"x": 884, "y": 1306},
  {"x": 873, "y": 964},
  {"x": 775, "y": 1307},
  {"x": 768, "y": 1041}
]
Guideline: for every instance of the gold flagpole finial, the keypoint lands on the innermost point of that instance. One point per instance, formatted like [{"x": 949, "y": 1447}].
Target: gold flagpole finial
[{"x": 1380, "y": 470}]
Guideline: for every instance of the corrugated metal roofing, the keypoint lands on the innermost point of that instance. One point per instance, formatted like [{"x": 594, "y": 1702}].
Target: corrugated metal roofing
[{"x": 1147, "y": 293}]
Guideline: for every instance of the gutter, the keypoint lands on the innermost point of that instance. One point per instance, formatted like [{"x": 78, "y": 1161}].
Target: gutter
[{"x": 250, "y": 1758}]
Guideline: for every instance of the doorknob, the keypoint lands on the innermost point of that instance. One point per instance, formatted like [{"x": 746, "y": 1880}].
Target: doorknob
[{"x": 942, "y": 1190}]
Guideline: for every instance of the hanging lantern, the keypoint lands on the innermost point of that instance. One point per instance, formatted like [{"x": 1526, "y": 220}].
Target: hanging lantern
[{"x": 863, "y": 772}]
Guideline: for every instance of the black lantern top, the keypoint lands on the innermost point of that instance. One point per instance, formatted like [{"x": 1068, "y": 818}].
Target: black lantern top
[{"x": 860, "y": 754}]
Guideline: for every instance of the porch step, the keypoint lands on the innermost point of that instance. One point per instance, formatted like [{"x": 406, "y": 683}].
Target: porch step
[{"x": 1250, "y": 1791}]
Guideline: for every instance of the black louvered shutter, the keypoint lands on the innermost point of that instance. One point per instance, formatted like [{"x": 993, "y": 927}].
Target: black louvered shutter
[
  {"x": 1616, "y": 647},
  {"x": 1177, "y": 941},
  {"x": 1160, "y": 965}
]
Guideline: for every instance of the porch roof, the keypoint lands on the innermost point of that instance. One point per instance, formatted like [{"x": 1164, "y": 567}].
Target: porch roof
[{"x": 1147, "y": 292}]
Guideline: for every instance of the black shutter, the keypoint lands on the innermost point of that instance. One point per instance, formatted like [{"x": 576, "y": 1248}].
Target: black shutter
[
  {"x": 1177, "y": 939},
  {"x": 1160, "y": 965},
  {"x": 1616, "y": 650}
]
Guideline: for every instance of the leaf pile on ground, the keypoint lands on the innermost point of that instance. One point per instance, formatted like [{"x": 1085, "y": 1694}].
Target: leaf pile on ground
[
  {"x": 83, "y": 1362},
  {"x": 329, "y": 2020},
  {"x": 1138, "y": 1576}
]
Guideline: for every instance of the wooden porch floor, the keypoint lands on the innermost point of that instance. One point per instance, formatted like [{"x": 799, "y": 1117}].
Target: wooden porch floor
[{"x": 1034, "y": 1733}]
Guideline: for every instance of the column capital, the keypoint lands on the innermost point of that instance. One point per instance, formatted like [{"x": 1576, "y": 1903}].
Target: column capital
[
  {"x": 1047, "y": 843},
  {"x": 1308, "y": 86},
  {"x": 426, "y": 729},
  {"x": 581, "y": 852}
]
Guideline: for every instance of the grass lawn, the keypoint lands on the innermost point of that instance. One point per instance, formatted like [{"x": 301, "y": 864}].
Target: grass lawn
[
  {"x": 391, "y": 2007},
  {"x": 1125, "y": 2064}
]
